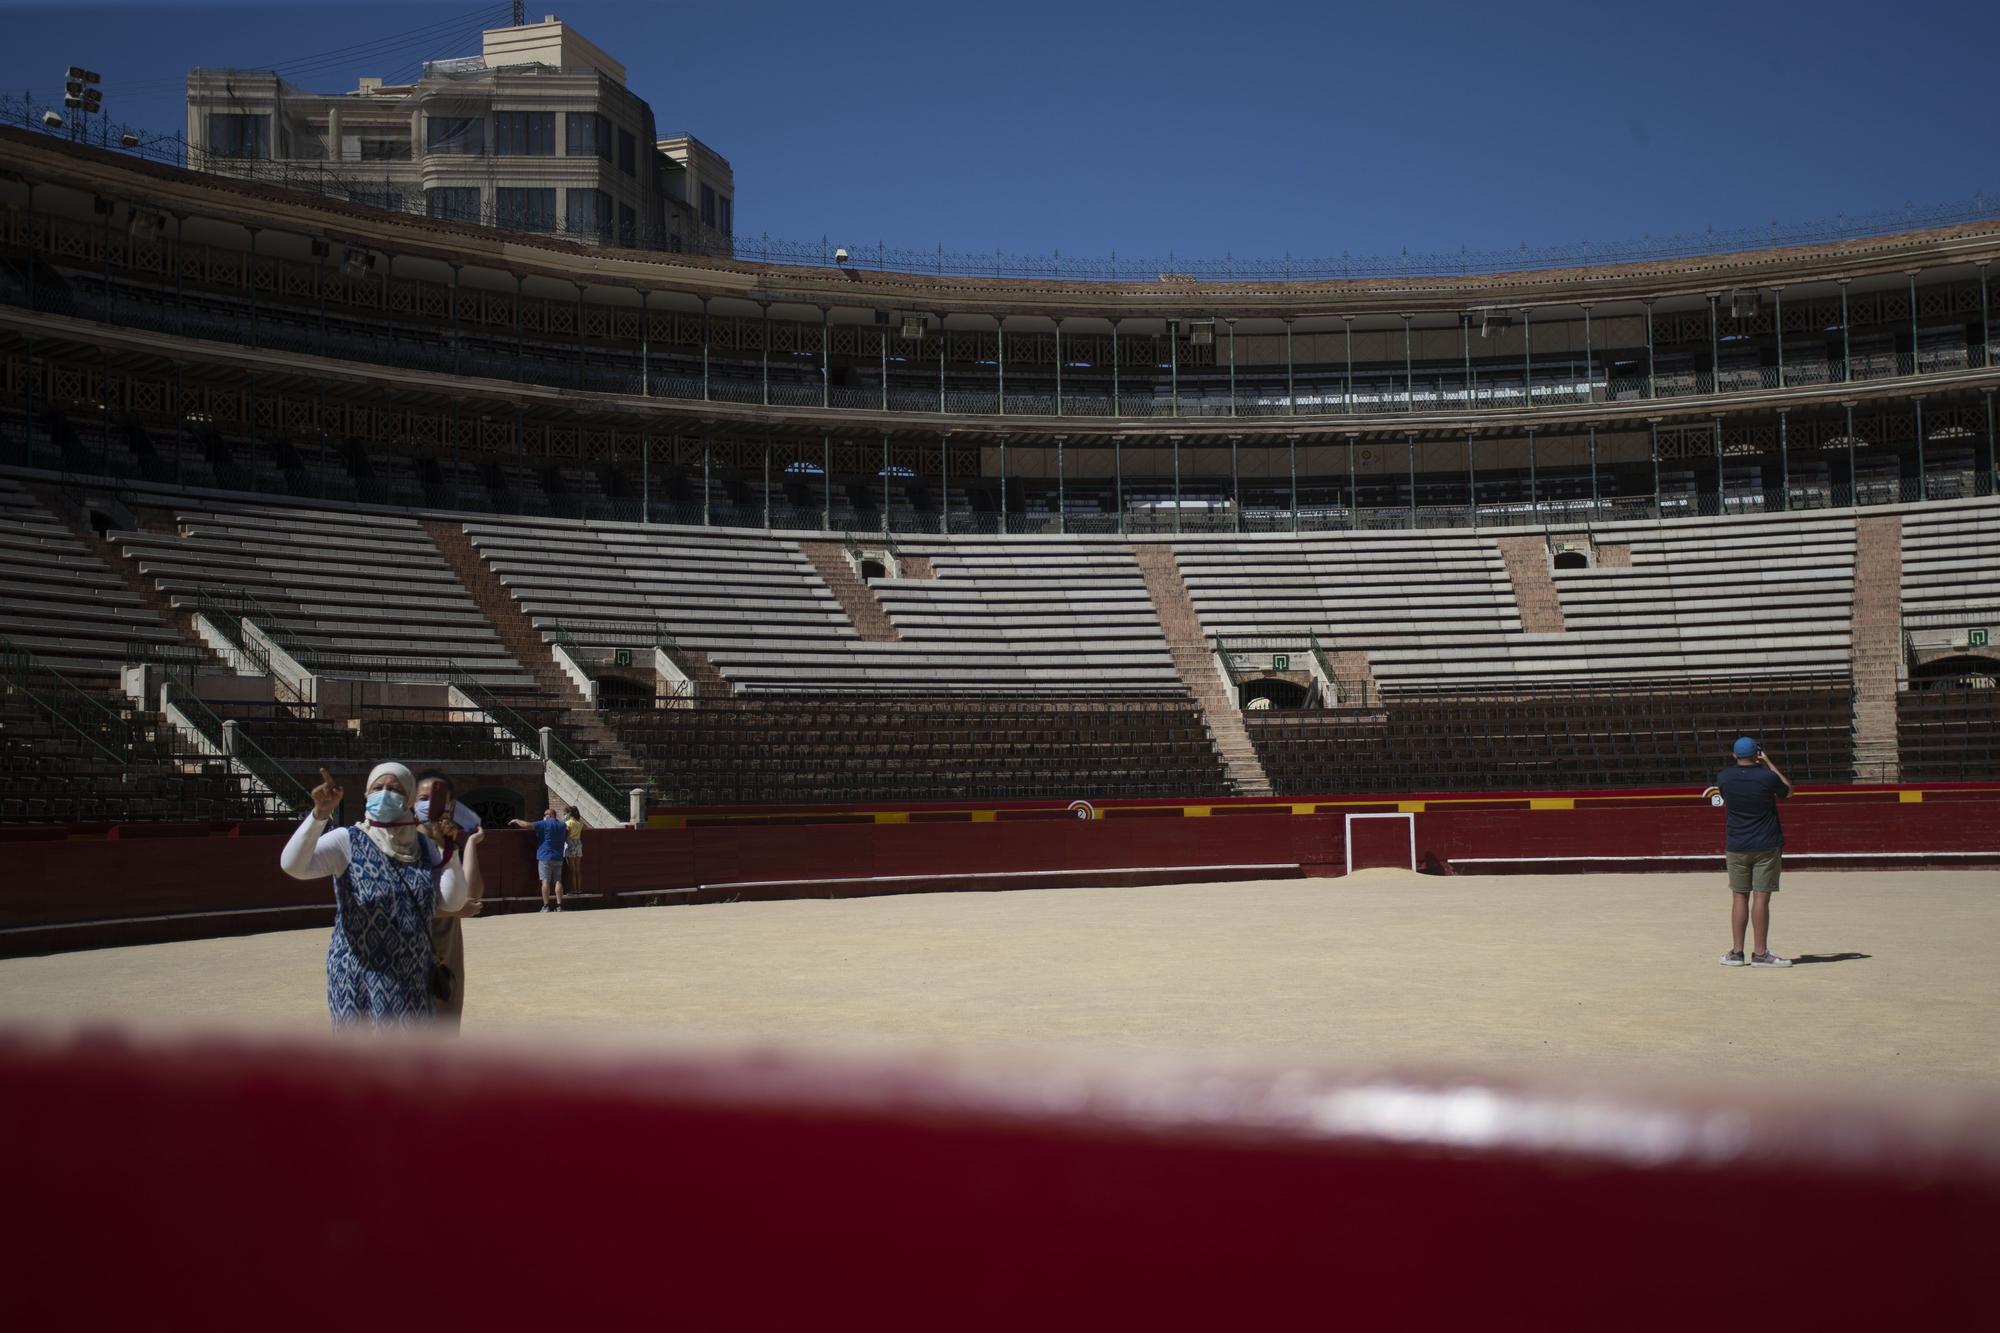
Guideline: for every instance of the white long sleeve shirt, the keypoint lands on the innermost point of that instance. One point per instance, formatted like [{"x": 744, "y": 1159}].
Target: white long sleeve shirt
[{"x": 313, "y": 854}]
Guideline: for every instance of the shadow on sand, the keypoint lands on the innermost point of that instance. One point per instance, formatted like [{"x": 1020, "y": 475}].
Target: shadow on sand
[{"x": 1829, "y": 958}]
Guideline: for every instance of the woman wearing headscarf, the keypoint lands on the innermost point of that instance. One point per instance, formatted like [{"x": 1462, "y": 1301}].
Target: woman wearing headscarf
[{"x": 388, "y": 880}]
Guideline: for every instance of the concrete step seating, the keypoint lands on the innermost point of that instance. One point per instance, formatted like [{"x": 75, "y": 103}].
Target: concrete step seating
[
  {"x": 370, "y": 592},
  {"x": 1951, "y": 557},
  {"x": 756, "y": 608},
  {"x": 59, "y": 601},
  {"x": 1737, "y": 596}
]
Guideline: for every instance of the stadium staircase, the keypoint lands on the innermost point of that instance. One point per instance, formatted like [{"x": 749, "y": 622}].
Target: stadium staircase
[
  {"x": 1527, "y": 560},
  {"x": 1878, "y": 645},
  {"x": 1194, "y": 661},
  {"x": 856, "y": 598},
  {"x": 605, "y": 751}
]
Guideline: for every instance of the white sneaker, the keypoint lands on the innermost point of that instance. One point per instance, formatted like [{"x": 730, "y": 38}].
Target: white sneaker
[
  {"x": 1734, "y": 958},
  {"x": 545, "y": 907},
  {"x": 1768, "y": 959}
]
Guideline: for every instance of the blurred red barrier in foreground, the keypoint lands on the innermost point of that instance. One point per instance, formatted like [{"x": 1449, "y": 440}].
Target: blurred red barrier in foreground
[{"x": 233, "y": 1185}]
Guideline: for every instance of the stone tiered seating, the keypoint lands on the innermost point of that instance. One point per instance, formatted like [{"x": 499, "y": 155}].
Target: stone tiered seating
[
  {"x": 796, "y": 748},
  {"x": 59, "y": 601},
  {"x": 999, "y": 616},
  {"x": 1736, "y": 596},
  {"x": 1742, "y": 596},
  {"x": 366, "y": 593},
  {"x": 1951, "y": 557}
]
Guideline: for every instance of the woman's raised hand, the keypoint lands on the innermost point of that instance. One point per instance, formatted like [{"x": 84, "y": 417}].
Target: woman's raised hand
[
  {"x": 477, "y": 834},
  {"x": 326, "y": 796}
]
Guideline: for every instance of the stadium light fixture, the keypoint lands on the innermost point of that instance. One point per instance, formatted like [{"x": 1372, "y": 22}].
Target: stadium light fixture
[
  {"x": 146, "y": 225},
  {"x": 129, "y": 139},
  {"x": 52, "y": 120},
  {"x": 1494, "y": 321},
  {"x": 1744, "y": 303},
  {"x": 1201, "y": 333},
  {"x": 913, "y": 327},
  {"x": 840, "y": 255},
  {"x": 356, "y": 262}
]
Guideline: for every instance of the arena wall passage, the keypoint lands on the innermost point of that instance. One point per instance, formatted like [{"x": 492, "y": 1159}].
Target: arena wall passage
[
  {"x": 1162, "y": 1197},
  {"x": 112, "y": 887}
]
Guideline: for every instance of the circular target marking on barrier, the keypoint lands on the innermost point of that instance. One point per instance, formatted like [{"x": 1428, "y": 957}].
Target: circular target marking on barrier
[
  {"x": 1714, "y": 795},
  {"x": 1082, "y": 810}
]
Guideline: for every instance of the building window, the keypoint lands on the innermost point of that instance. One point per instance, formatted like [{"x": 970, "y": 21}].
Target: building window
[
  {"x": 524, "y": 133},
  {"x": 589, "y": 212},
  {"x": 453, "y": 203},
  {"x": 707, "y": 206},
  {"x": 589, "y": 135},
  {"x": 455, "y": 136},
  {"x": 725, "y": 215},
  {"x": 231, "y": 135},
  {"x": 628, "y": 225},
  {"x": 628, "y": 153},
  {"x": 383, "y": 146},
  {"x": 525, "y": 210}
]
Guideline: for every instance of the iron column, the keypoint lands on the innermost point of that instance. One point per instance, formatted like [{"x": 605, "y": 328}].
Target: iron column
[
  {"x": 1177, "y": 482},
  {"x": 944, "y": 481},
  {"x": 645, "y": 342},
  {"x": 764, "y": 350},
  {"x": 1347, "y": 391},
  {"x": 1000, "y": 360},
  {"x": 885, "y": 481},
  {"x": 1714, "y": 349},
  {"x": 1114, "y": 374},
  {"x": 1784, "y": 461},
  {"x": 1291, "y": 404},
  {"x": 1846, "y": 351},
  {"x": 705, "y": 449},
  {"x": 1593, "y": 469},
  {"x": 1174, "y": 365},
  {"x": 1062, "y": 495},
  {"x": 1778, "y": 327},
  {"x": 1410, "y": 454},
  {"x": 1292, "y": 449},
  {"x": 705, "y": 340},
  {"x": 767, "y": 483},
  {"x": 1652, "y": 386},
  {"x": 825, "y": 356},
  {"x": 1232, "y": 367},
  {"x": 1059, "y": 367},
  {"x": 826, "y": 477},
  {"x": 1923, "y": 488},
  {"x": 1235, "y": 482}
]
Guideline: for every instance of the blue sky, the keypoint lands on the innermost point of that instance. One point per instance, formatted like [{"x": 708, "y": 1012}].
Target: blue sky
[{"x": 1253, "y": 129}]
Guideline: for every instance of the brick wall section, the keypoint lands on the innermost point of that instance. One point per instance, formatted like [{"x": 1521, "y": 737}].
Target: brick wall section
[
  {"x": 1354, "y": 679},
  {"x": 1614, "y": 555},
  {"x": 581, "y": 724},
  {"x": 1878, "y": 645},
  {"x": 864, "y": 612},
  {"x": 1535, "y": 593},
  {"x": 915, "y": 567},
  {"x": 1195, "y": 662}
]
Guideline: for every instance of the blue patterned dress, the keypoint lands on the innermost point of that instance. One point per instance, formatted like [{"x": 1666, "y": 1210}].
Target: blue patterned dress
[{"x": 378, "y": 965}]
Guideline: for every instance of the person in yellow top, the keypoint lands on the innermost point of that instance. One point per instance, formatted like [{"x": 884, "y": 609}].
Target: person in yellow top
[{"x": 573, "y": 853}]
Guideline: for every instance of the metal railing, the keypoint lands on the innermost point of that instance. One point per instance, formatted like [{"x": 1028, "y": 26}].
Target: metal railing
[
  {"x": 55, "y": 695},
  {"x": 355, "y": 184},
  {"x": 283, "y": 794}
]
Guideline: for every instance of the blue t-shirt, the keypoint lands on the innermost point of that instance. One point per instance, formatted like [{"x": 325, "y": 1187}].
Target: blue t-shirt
[
  {"x": 551, "y": 836},
  {"x": 1751, "y": 794}
]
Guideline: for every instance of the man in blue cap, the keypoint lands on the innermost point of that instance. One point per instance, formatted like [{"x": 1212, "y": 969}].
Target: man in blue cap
[{"x": 1751, "y": 789}]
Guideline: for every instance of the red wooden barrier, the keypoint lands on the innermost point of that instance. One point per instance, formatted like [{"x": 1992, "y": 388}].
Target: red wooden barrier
[
  {"x": 311, "y": 1187},
  {"x": 71, "y": 894}
]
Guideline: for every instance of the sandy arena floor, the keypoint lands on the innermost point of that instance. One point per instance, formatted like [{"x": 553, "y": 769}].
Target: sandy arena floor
[{"x": 1549, "y": 974}]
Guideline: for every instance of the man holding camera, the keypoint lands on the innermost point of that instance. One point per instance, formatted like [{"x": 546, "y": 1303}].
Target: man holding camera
[{"x": 1751, "y": 789}]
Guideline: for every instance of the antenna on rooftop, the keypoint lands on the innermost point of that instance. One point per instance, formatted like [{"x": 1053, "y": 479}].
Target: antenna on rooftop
[{"x": 517, "y": 13}]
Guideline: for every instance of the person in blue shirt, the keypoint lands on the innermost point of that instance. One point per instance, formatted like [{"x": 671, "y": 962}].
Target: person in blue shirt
[
  {"x": 1751, "y": 789},
  {"x": 551, "y": 838}
]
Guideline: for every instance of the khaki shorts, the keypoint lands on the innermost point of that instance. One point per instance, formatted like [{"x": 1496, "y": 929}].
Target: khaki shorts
[{"x": 1753, "y": 871}]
